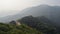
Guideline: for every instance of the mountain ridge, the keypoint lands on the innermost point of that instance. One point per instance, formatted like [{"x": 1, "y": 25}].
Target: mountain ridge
[{"x": 51, "y": 12}]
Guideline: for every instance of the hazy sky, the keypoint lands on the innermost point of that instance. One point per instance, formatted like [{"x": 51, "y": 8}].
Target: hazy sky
[{"x": 9, "y": 6}]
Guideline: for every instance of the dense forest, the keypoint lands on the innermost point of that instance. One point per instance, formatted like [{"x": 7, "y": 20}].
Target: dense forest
[
  {"x": 29, "y": 25},
  {"x": 42, "y": 24}
]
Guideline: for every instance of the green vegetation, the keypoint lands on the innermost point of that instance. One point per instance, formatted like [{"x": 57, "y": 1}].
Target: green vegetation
[
  {"x": 29, "y": 25},
  {"x": 13, "y": 29},
  {"x": 41, "y": 24}
]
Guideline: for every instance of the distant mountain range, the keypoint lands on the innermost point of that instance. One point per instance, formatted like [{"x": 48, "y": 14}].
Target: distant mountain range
[{"x": 50, "y": 12}]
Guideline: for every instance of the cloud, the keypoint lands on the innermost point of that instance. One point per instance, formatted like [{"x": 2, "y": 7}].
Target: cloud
[
  {"x": 7, "y": 5},
  {"x": 21, "y": 4},
  {"x": 51, "y": 2}
]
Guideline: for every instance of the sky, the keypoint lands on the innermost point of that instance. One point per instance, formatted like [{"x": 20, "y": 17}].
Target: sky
[{"x": 10, "y": 7}]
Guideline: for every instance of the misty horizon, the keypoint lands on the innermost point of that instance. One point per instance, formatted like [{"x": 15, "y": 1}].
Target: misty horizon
[{"x": 11, "y": 7}]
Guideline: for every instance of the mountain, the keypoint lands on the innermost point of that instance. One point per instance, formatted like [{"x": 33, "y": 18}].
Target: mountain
[
  {"x": 50, "y": 12},
  {"x": 46, "y": 20},
  {"x": 43, "y": 24}
]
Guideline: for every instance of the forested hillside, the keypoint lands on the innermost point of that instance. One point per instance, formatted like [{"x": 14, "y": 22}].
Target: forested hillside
[
  {"x": 42, "y": 24},
  {"x": 13, "y": 29},
  {"x": 30, "y": 25}
]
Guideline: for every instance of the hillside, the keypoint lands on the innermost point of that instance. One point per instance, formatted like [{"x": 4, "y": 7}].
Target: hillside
[
  {"x": 30, "y": 25},
  {"x": 13, "y": 29},
  {"x": 43, "y": 24}
]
